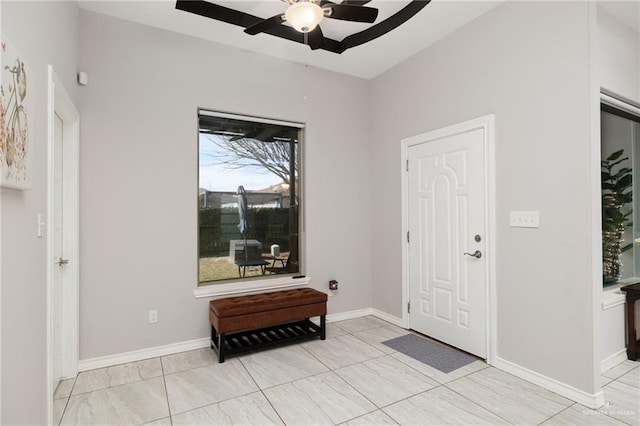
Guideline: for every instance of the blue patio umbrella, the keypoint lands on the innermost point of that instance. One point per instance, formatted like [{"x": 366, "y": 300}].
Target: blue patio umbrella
[{"x": 243, "y": 213}]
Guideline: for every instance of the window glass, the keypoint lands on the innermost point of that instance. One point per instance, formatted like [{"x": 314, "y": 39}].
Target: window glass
[
  {"x": 248, "y": 197},
  {"x": 620, "y": 145}
]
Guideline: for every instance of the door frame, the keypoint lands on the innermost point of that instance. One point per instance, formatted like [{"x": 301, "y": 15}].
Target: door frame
[
  {"x": 487, "y": 124},
  {"x": 60, "y": 103}
]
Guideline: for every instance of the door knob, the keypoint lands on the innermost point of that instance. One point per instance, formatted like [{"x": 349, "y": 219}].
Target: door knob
[
  {"x": 477, "y": 254},
  {"x": 62, "y": 262}
]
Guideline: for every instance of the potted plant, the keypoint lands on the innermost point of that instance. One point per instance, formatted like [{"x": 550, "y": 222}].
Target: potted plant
[{"x": 616, "y": 195}]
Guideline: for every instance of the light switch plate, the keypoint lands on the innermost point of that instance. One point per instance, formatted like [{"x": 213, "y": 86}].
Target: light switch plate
[
  {"x": 529, "y": 219},
  {"x": 40, "y": 224}
]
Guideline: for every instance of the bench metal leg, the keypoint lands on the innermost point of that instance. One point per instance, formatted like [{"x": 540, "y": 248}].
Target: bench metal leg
[
  {"x": 214, "y": 335},
  {"x": 323, "y": 327},
  {"x": 221, "y": 348},
  {"x": 218, "y": 342}
]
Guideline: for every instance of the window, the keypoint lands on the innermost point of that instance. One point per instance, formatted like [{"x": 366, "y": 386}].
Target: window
[
  {"x": 249, "y": 198},
  {"x": 620, "y": 148}
]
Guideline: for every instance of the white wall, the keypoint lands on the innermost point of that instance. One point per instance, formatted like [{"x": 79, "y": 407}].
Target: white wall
[
  {"x": 44, "y": 33},
  {"x": 527, "y": 62},
  {"x": 139, "y": 176},
  {"x": 618, "y": 56}
]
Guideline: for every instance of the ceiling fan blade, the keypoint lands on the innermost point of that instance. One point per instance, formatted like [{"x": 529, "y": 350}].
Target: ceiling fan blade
[
  {"x": 355, "y": 2},
  {"x": 265, "y": 24},
  {"x": 347, "y": 2},
  {"x": 315, "y": 39},
  {"x": 348, "y": 12}
]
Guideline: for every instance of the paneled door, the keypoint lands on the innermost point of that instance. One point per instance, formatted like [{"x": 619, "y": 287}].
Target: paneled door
[{"x": 447, "y": 239}]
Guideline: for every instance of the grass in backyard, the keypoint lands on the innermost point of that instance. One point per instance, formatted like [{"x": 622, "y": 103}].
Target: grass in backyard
[{"x": 219, "y": 268}]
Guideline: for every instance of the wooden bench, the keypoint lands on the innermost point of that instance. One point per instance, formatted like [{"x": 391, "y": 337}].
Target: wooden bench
[{"x": 243, "y": 323}]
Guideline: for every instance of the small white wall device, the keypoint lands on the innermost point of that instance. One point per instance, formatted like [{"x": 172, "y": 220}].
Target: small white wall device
[{"x": 83, "y": 78}]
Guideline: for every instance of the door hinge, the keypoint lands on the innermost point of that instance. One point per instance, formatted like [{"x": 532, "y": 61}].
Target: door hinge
[
  {"x": 407, "y": 166},
  {"x": 409, "y": 307},
  {"x": 407, "y": 236}
]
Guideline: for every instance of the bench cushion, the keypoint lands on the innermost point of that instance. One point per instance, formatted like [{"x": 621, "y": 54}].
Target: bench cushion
[{"x": 250, "y": 304}]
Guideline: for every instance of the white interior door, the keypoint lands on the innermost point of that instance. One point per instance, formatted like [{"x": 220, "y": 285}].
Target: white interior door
[
  {"x": 447, "y": 239},
  {"x": 57, "y": 253},
  {"x": 62, "y": 237}
]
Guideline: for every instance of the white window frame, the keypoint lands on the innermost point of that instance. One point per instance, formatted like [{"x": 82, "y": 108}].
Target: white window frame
[{"x": 273, "y": 282}]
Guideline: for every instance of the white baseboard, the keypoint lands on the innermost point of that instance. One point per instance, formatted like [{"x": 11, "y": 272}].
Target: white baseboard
[
  {"x": 588, "y": 400},
  {"x": 615, "y": 359},
  {"x": 349, "y": 315},
  {"x": 173, "y": 348},
  {"x": 386, "y": 317},
  {"x": 363, "y": 313},
  {"x": 123, "y": 358}
]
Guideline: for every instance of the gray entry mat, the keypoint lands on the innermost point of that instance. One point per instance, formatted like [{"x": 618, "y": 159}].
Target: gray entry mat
[{"x": 430, "y": 352}]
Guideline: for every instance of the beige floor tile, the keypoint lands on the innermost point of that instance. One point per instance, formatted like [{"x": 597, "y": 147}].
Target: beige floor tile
[
  {"x": 438, "y": 375},
  {"x": 580, "y": 415},
  {"x": 187, "y": 360},
  {"x": 58, "y": 409},
  {"x": 440, "y": 406},
  {"x": 64, "y": 389},
  {"x": 621, "y": 369},
  {"x": 252, "y": 409},
  {"x": 135, "y": 403},
  {"x": 202, "y": 386},
  {"x": 341, "y": 351},
  {"x": 385, "y": 380},
  {"x": 278, "y": 366},
  {"x": 509, "y": 397},
  {"x": 324, "y": 399},
  {"x": 360, "y": 324},
  {"x": 162, "y": 422},
  {"x": 334, "y": 330},
  {"x": 375, "y": 336},
  {"x": 632, "y": 378},
  {"x": 623, "y": 402},
  {"x": 604, "y": 380},
  {"x": 372, "y": 419},
  {"x": 117, "y": 375}
]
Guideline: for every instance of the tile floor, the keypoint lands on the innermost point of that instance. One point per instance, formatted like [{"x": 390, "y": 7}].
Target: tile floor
[{"x": 350, "y": 379}]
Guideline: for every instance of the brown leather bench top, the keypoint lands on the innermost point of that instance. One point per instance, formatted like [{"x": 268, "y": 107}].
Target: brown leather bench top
[{"x": 242, "y": 305}]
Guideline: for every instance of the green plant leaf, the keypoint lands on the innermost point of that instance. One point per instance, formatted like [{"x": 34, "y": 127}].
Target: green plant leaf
[
  {"x": 615, "y": 163},
  {"x": 615, "y": 155},
  {"x": 625, "y": 181},
  {"x": 622, "y": 172}
]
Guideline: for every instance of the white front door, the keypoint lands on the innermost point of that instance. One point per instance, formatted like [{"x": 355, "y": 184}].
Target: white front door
[{"x": 447, "y": 238}]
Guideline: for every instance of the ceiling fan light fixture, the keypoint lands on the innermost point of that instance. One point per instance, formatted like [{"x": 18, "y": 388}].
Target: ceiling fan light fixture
[{"x": 304, "y": 16}]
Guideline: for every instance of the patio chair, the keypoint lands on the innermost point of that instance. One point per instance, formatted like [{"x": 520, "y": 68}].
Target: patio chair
[{"x": 284, "y": 269}]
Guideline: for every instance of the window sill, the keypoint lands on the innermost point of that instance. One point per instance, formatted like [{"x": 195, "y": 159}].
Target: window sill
[
  {"x": 613, "y": 296},
  {"x": 245, "y": 287}
]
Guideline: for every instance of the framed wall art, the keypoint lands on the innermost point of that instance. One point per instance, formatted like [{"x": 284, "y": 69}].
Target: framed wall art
[{"x": 15, "y": 151}]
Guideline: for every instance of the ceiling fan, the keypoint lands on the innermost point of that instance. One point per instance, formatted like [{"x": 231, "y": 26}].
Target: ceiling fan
[{"x": 305, "y": 15}]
